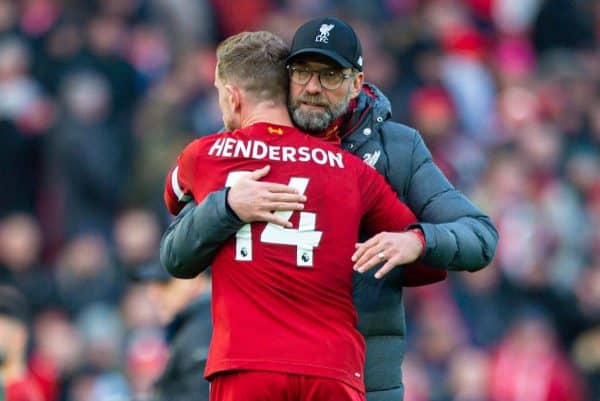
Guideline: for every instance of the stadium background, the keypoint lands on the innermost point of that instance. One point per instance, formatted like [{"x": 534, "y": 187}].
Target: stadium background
[{"x": 98, "y": 97}]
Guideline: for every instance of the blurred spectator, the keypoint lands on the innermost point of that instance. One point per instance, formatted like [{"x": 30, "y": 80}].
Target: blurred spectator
[
  {"x": 136, "y": 234},
  {"x": 184, "y": 309},
  {"x": 562, "y": 24},
  {"x": 438, "y": 333},
  {"x": 469, "y": 375},
  {"x": 145, "y": 359},
  {"x": 418, "y": 383},
  {"x": 484, "y": 299},
  {"x": 586, "y": 353},
  {"x": 187, "y": 22},
  {"x": 8, "y": 16},
  {"x": 62, "y": 50},
  {"x": 103, "y": 337},
  {"x": 177, "y": 109},
  {"x": 104, "y": 54},
  {"x": 58, "y": 353},
  {"x": 16, "y": 382},
  {"x": 237, "y": 17},
  {"x": 528, "y": 364},
  {"x": 98, "y": 97},
  {"x": 136, "y": 309},
  {"x": 20, "y": 261},
  {"x": 85, "y": 275},
  {"x": 434, "y": 115},
  {"x": 91, "y": 156},
  {"x": 25, "y": 116}
]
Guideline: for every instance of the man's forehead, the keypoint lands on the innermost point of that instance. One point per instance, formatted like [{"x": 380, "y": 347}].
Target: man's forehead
[{"x": 315, "y": 60}]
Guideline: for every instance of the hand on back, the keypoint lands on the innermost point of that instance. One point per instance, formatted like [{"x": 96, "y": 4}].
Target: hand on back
[{"x": 254, "y": 200}]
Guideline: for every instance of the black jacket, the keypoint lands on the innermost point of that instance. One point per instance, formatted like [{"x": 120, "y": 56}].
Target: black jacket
[
  {"x": 189, "y": 338},
  {"x": 458, "y": 235}
]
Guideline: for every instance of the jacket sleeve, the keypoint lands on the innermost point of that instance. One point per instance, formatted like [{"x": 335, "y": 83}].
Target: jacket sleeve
[
  {"x": 192, "y": 240},
  {"x": 458, "y": 236}
]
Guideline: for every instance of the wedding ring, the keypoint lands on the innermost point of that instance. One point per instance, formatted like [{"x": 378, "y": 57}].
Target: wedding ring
[{"x": 381, "y": 256}]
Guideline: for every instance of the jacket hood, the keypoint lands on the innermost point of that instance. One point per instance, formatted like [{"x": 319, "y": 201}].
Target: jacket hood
[
  {"x": 371, "y": 97},
  {"x": 371, "y": 110}
]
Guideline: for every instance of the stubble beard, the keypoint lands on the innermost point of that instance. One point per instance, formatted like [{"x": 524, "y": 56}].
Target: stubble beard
[{"x": 317, "y": 120}]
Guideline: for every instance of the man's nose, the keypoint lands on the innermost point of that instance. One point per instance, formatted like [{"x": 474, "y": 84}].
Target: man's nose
[{"x": 313, "y": 85}]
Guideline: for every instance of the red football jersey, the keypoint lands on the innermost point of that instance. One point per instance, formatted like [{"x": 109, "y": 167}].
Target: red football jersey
[{"x": 282, "y": 298}]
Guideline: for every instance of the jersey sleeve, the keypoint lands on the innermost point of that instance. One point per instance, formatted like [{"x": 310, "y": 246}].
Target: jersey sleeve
[
  {"x": 383, "y": 211},
  {"x": 179, "y": 181}
]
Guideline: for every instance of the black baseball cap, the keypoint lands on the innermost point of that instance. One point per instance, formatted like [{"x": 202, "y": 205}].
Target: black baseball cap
[{"x": 330, "y": 37}]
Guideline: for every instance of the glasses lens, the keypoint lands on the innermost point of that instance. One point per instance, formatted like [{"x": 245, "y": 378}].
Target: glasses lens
[
  {"x": 331, "y": 79},
  {"x": 300, "y": 76}
]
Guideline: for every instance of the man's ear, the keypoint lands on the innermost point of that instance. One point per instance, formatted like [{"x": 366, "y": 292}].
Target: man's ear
[
  {"x": 234, "y": 97},
  {"x": 357, "y": 84}
]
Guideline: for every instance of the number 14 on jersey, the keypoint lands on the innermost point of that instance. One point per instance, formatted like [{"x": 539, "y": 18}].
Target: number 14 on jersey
[{"x": 305, "y": 238}]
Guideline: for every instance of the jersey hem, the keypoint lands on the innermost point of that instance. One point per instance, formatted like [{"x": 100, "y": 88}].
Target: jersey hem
[{"x": 287, "y": 367}]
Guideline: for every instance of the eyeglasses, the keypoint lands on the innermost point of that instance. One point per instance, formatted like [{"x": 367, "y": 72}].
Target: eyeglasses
[{"x": 328, "y": 78}]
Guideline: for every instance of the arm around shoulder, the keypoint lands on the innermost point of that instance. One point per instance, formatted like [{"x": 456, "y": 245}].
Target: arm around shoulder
[{"x": 192, "y": 240}]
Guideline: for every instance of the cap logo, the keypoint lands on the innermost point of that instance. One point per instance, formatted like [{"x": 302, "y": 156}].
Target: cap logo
[{"x": 323, "y": 36}]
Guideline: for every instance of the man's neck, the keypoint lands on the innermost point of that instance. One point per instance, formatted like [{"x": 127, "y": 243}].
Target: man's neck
[{"x": 267, "y": 113}]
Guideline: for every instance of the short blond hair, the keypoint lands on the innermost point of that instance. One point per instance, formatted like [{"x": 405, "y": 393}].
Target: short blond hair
[{"x": 255, "y": 61}]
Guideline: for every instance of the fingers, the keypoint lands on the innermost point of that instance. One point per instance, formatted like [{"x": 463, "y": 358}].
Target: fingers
[
  {"x": 361, "y": 249},
  {"x": 285, "y": 206},
  {"x": 360, "y": 255},
  {"x": 279, "y": 188},
  {"x": 280, "y": 202},
  {"x": 260, "y": 173},
  {"x": 369, "y": 260},
  {"x": 385, "y": 269},
  {"x": 273, "y": 218},
  {"x": 365, "y": 254},
  {"x": 381, "y": 248},
  {"x": 285, "y": 198},
  {"x": 257, "y": 175},
  {"x": 254, "y": 200},
  {"x": 374, "y": 261}
]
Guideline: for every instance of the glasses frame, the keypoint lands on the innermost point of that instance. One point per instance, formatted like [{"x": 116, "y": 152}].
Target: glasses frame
[{"x": 345, "y": 76}]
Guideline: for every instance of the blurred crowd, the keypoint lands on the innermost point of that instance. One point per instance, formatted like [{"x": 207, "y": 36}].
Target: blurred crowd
[{"x": 97, "y": 97}]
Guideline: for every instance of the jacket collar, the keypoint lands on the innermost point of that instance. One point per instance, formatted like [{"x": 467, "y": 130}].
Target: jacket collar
[{"x": 371, "y": 110}]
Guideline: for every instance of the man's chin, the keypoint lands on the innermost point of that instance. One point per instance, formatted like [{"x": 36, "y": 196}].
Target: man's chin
[{"x": 310, "y": 125}]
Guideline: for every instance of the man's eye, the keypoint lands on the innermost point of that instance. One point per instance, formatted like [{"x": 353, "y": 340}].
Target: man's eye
[{"x": 329, "y": 73}]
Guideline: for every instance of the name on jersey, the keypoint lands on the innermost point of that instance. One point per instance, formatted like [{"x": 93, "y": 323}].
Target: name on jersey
[{"x": 252, "y": 149}]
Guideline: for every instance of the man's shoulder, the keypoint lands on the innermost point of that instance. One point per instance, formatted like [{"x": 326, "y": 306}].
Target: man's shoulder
[
  {"x": 389, "y": 137},
  {"x": 379, "y": 116},
  {"x": 397, "y": 139},
  {"x": 395, "y": 131}
]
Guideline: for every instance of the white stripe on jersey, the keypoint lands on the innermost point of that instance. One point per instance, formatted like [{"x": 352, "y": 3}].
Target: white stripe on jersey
[{"x": 181, "y": 196}]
